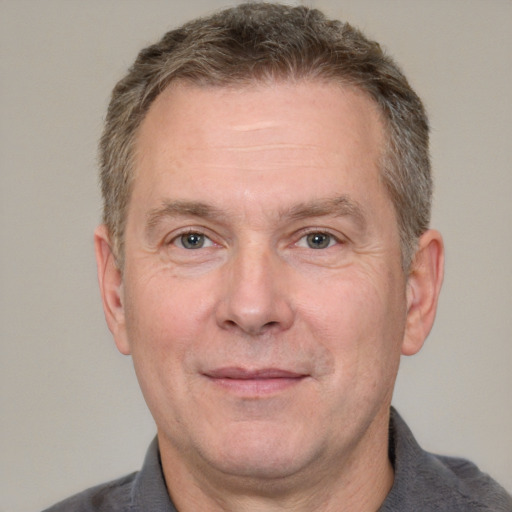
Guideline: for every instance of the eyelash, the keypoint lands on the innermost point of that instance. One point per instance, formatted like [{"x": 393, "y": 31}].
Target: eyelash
[
  {"x": 333, "y": 239},
  {"x": 188, "y": 232},
  {"x": 319, "y": 231}
]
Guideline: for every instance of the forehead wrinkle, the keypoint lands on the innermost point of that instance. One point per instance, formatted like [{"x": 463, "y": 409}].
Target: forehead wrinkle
[
  {"x": 256, "y": 126},
  {"x": 248, "y": 147},
  {"x": 267, "y": 147}
]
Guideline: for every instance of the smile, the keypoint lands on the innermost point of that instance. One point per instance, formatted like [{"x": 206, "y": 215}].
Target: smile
[{"x": 254, "y": 382}]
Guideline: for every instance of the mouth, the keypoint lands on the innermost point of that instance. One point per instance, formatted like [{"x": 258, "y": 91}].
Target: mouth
[{"x": 254, "y": 382}]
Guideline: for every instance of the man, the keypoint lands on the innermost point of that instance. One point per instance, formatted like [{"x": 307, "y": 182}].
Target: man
[{"x": 266, "y": 259}]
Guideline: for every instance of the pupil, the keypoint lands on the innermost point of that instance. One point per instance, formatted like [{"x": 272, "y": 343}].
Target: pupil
[
  {"x": 318, "y": 240},
  {"x": 192, "y": 241}
]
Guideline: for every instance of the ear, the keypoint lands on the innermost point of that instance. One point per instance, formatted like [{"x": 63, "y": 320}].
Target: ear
[
  {"x": 111, "y": 287},
  {"x": 423, "y": 287}
]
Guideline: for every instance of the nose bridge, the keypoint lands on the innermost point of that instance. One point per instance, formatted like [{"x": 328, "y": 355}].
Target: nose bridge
[{"x": 255, "y": 296}]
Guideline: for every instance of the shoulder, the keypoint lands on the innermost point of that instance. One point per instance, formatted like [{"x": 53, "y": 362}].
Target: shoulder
[
  {"x": 142, "y": 491},
  {"x": 424, "y": 481},
  {"x": 469, "y": 486},
  {"x": 114, "y": 496},
  {"x": 460, "y": 485}
]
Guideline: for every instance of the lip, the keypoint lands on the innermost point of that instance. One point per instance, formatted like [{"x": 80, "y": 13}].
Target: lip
[{"x": 254, "y": 382}]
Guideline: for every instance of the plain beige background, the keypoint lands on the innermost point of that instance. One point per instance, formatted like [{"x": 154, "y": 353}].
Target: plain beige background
[{"x": 72, "y": 414}]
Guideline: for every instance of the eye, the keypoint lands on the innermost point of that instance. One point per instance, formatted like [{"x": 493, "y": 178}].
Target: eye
[
  {"x": 317, "y": 240},
  {"x": 193, "y": 240}
]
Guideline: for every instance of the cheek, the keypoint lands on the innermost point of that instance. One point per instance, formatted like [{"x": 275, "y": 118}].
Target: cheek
[
  {"x": 164, "y": 323},
  {"x": 164, "y": 320},
  {"x": 359, "y": 317},
  {"x": 160, "y": 300}
]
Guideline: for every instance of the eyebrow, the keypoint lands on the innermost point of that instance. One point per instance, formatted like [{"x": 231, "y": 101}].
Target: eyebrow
[
  {"x": 181, "y": 209},
  {"x": 339, "y": 206}
]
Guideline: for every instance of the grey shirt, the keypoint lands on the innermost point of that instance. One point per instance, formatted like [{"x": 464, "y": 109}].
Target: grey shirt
[{"x": 423, "y": 482}]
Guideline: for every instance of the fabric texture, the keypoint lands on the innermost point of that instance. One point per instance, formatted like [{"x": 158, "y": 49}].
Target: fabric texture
[{"x": 423, "y": 482}]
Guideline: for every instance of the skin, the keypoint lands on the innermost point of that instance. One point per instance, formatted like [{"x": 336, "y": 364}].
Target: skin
[{"x": 263, "y": 299}]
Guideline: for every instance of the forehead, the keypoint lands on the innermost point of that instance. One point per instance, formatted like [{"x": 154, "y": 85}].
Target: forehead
[
  {"x": 185, "y": 119},
  {"x": 279, "y": 140}
]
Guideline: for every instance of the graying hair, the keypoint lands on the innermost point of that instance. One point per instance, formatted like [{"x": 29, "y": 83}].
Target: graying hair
[{"x": 267, "y": 42}]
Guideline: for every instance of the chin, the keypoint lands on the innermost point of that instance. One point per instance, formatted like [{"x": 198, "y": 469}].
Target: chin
[{"x": 270, "y": 452}]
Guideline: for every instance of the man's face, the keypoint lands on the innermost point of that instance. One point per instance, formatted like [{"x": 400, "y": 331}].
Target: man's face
[{"x": 263, "y": 298}]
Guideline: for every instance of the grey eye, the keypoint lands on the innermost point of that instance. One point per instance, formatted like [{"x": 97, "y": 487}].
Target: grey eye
[
  {"x": 318, "y": 240},
  {"x": 192, "y": 240}
]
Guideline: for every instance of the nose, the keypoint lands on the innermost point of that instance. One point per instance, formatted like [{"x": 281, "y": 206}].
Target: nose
[{"x": 255, "y": 296}]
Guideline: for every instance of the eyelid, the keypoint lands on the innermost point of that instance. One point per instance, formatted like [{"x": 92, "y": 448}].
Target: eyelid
[
  {"x": 338, "y": 237},
  {"x": 172, "y": 237}
]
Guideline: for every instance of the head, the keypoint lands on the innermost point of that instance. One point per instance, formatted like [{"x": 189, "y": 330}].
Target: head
[
  {"x": 254, "y": 43},
  {"x": 266, "y": 179}
]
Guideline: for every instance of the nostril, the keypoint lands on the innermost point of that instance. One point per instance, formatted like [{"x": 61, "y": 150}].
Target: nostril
[
  {"x": 251, "y": 329},
  {"x": 230, "y": 324}
]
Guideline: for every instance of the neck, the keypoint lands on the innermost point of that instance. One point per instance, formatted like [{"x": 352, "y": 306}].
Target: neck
[{"x": 356, "y": 481}]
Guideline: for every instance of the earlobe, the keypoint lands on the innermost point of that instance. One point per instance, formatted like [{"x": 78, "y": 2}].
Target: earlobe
[
  {"x": 423, "y": 287},
  {"x": 111, "y": 287}
]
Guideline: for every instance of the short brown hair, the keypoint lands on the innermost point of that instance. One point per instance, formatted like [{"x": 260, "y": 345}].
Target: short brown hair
[{"x": 262, "y": 42}]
